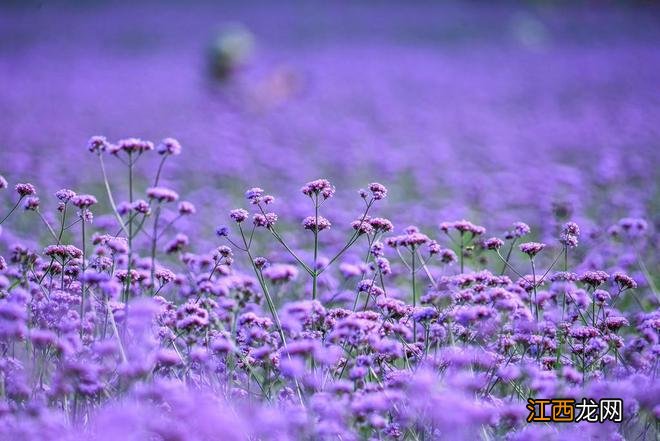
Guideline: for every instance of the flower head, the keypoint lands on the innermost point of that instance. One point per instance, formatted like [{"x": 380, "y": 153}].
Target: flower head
[
  {"x": 318, "y": 187},
  {"x": 25, "y": 189},
  {"x": 162, "y": 194},
  {"x": 380, "y": 224},
  {"x": 130, "y": 146},
  {"x": 316, "y": 223},
  {"x": 239, "y": 215},
  {"x": 65, "y": 195},
  {"x": 531, "y": 248},
  {"x": 169, "y": 146},
  {"x": 570, "y": 233},
  {"x": 594, "y": 278},
  {"x": 493, "y": 243},
  {"x": 32, "y": 203},
  {"x": 264, "y": 220},
  {"x": 141, "y": 206},
  {"x": 186, "y": 208},
  {"x": 463, "y": 227},
  {"x": 98, "y": 144},
  {"x": 254, "y": 195},
  {"x": 520, "y": 229},
  {"x": 624, "y": 281},
  {"x": 83, "y": 200},
  {"x": 378, "y": 191}
]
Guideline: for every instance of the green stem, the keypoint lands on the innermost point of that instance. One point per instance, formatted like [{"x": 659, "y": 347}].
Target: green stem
[
  {"x": 109, "y": 193},
  {"x": 154, "y": 240},
  {"x": 315, "y": 270},
  {"x": 414, "y": 290},
  {"x": 536, "y": 305},
  {"x": 11, "y": 211},
  {"x": 82, "y": 279}
]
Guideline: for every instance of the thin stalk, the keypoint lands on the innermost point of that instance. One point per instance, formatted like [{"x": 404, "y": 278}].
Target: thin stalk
[
  {"x": 462, "y": 246},
  {"x": 82, "y": 279},
  {"x": 536, "y": 313},
  {"x": 508, "y": 255},
  {"x": 414, "y": 290},
  {"x": 506, "y": 263},
  {"x": 12, "y": 210},
  {"x": 50, "y": 229},
  {"x": 153, "y": 250},
  {"x": 315, "y": 274},
  {"x": 109, "y": 193},
  {"x": 160, "y": 169},
  {"x": 130, "y": 228}
]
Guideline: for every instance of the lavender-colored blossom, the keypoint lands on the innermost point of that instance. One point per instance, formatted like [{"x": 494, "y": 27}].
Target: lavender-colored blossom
[
  {"x": 531, "y": 248},
  {"x": 162, "y": 194},
  {"x": 316, "y": 224},
  {"x": 169, "y": 146}
]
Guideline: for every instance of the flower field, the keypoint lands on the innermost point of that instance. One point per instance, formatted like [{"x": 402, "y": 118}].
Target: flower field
[{"x": 334, "y": 221}]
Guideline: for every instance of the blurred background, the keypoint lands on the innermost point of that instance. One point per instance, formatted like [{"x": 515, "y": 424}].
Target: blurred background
[{"x": 493, "y": 111}]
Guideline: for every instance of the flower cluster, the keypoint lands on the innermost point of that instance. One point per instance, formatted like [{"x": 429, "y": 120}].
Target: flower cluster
[{"x": 128, "y": 328}]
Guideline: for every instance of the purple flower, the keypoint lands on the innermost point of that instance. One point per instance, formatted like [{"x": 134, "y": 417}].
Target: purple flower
[
  {"x": 362, "y": 226},
  {"x": 141, "y": 206},
  {"x": 280, "y": 273},
  {"x": 169, "y": 146},
  {"x": 83, "y": 201},
  {"x": 381, "y": 224},
  {"x": 177, "y": 244},
  {"x": 239, "y": 215},
  {"x": 65, "y": 195},
  {"x": 98, "y": 144},
  {"x": 594, "y": 278},
  {"x": 316, "y": 224},
  {"x": 162, "y": 194},
  {"x": 493, "y": 243},
  {"x": 531, "y": 248},
  {"x": 264, "y": 220},
  {"x": 624, "y": 281},
  {"x": 25, "y": 189},
  {"x": 377, "y": 190},
  {"x": 425, "y": 314},
  {"x": 318, "y": 187},
  {"x": 130, "y": 146},
  {"x": 520, "y": 229},
  {"x": 186, "y": 208},
  {"x": 32, "y": 203},
  {"x": 254, "y": 195},
  {"x": 462, "y": 227}
]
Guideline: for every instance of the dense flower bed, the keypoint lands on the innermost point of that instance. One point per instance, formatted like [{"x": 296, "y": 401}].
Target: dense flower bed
[{"x": 296, "y": 326}]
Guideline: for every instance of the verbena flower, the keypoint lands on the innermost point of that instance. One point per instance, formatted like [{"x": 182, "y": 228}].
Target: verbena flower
[
  {"x": 318, "y": 187},
  {"x": 162, "y": 194},
  {"x": 493, "y": 243},
  {"x": 531, "y": 248},
  {"x": 130, "y": 146},
  {"x": 83, "y": 201},
  {"x": 316, "y": 223},
  {"x": 169, "y": 146},
  {"x": 26, "y": 189},
  {"x": 98, "y": 144}
]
